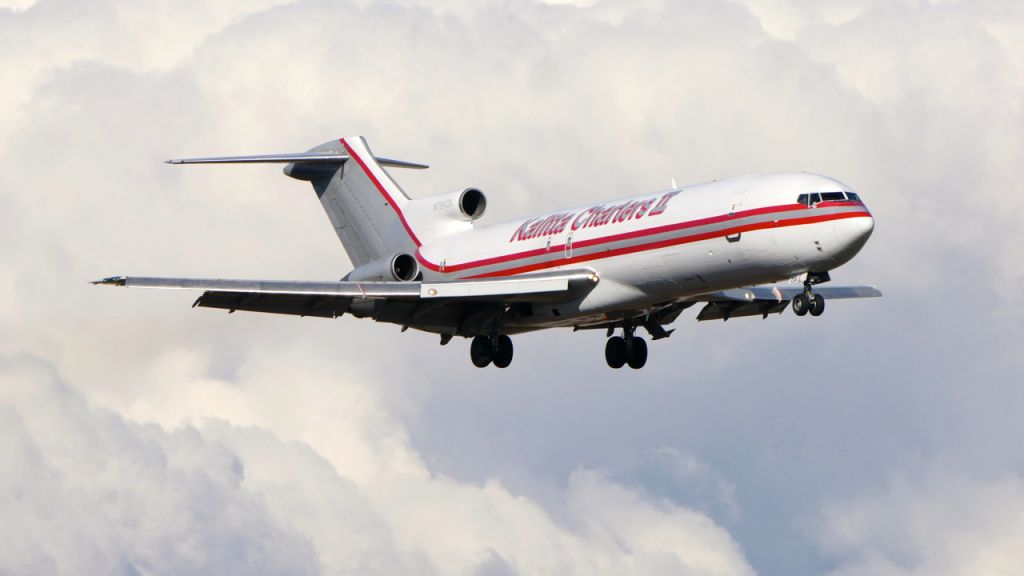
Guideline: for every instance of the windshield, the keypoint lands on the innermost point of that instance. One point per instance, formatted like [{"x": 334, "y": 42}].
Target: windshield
[{"x": 817, "y": 197}]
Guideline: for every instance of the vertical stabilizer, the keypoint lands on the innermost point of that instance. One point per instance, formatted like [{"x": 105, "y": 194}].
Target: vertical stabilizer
[{"x": 363, "y": 202}]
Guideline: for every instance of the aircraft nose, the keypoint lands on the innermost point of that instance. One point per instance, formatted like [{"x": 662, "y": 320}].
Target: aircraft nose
[{"x": 854, "y": 232}]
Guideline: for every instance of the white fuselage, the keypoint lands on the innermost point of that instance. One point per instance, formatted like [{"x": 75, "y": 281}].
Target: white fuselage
[{"x": 659, "y": 247}]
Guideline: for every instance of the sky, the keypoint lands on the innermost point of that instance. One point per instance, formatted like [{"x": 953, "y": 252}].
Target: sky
[{"x": 140, "y": 436}]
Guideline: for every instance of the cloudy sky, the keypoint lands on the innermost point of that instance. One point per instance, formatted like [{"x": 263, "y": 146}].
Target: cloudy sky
[{"x": 139, "y": 436}]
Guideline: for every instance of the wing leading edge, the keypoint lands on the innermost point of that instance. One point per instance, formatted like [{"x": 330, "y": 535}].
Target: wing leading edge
[
  {"x": 332, "y": 299},
  {"x": 765, "y": 300}
]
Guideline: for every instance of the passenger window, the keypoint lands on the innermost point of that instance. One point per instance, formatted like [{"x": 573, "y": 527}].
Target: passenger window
[
  {"x": 815, "y": 198},
  {"x": 833, "y": 197},
  {"x": 803, "y": 199}
]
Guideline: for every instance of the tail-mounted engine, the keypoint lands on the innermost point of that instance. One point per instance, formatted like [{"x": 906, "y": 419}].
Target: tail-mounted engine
[
  {"x": 466, "y": 205},
  {"x": 396, "y": 268},
  {"x": 472, "y": 203},
  {"x": 448, "y": 213}
]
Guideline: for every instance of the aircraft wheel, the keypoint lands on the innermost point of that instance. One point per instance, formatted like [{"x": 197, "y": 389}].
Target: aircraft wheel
[
  {"x": 615, "y": 352},
  {"x": 817, "y": 305},
  {"x": 502, "y": 355},
  {"x": 481, "y": 350},
  {"x": 801, "y": 304},
  {"x": 638, "y": 355}
]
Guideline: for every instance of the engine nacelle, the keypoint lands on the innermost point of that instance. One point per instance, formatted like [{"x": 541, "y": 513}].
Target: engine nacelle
[
  {"x": 467, "y": 204},
  {"x": 397, "y": 268}
]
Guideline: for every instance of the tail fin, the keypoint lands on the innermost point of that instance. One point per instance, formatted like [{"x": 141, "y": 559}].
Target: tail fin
[
  {"x": 365, "y": 205},
  {"x": 362, "y": 201}
]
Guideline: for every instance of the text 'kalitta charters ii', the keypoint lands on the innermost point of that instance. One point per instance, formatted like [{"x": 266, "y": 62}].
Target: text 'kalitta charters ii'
[{"x": 595, "y": 216}]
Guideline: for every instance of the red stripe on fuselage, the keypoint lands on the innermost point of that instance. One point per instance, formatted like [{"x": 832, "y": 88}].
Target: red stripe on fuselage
[
  {"x": 612, "y": 238},
  {"x": 665, "y": 243},
  {"x": 639, "y": 234},
  {"x": 383, "y": 191}
]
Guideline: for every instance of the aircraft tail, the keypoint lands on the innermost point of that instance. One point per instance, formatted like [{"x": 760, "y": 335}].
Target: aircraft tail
[{"x": 365, "y": 205}]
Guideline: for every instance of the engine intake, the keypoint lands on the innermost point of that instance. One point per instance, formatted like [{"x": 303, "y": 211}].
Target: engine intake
[
  {"x": 396, "y": 268},
  {"x": 472, "y": 203}
]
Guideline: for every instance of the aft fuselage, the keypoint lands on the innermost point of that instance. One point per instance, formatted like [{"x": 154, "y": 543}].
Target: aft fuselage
[{"x": 659, "y": 247}]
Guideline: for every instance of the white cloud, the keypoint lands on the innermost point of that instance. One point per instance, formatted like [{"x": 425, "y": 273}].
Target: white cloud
[
  {"x": 941, "y": 523},
  {"x": 87, "y": 492},
  {"x": 915, "y": 104},
  {"x": 84, "y": 492}
]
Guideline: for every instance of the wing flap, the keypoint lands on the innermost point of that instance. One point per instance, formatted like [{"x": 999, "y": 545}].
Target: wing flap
[
  {"x": 292, "y": 304},
  {"x": 487, "y": 288},
  {"x": 726, "y": 310}
]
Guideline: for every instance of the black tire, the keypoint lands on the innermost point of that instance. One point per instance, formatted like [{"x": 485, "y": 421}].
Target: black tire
[
  {"x": 801, "y": 304},
  {"x": 817, "y": 305},
  {"x": 502, "y": 355},
  {"x": 615, "y": 352},
  {"x": 480, "y": 351},
  {"x": 638, "y": 355}
]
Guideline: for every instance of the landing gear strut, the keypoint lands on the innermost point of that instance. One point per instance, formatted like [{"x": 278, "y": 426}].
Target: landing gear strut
[
  {"x": 808, "y": 301},
  {"x": 484, "y": 350},
  {"x": 626, "y": 349}
]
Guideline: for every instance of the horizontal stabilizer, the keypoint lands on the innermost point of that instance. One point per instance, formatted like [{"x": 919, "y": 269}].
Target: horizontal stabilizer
[{"x": 296, "y": 158}]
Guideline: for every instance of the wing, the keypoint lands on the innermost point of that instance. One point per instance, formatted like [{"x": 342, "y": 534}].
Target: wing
[
  {"x": 726, "y": 304},
  {"x": 765, "y": 300},
  {"x": 332, "y": 299}
]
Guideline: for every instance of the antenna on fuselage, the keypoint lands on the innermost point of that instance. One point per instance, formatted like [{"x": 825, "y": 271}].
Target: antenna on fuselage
[{"x": 674, "y": 184}]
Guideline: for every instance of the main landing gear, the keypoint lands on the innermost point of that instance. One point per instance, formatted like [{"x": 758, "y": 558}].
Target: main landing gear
[
  {"x": 808, "y": 301},
  {"x": 485, "y": 350},
  {"x": 626, "y": 349}
]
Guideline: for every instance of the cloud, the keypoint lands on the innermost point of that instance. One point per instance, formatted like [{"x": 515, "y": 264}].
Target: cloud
[
  {"x": 941, "y": 522},
  {"x": 85, "y": 492},
  {"x": 758, "y": 425},
  {"x": 89, "y": 492}
]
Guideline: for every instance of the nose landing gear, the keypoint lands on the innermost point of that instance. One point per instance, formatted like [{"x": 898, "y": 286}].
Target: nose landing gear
[
  {"x": 808, "y": 301},
  {"x": 626, "y": 349}
]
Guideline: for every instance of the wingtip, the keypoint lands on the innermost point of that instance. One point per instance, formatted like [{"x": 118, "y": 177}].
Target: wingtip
[{"x": 111, "y": 281}]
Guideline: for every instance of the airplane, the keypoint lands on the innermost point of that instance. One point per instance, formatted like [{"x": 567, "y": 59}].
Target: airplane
[{"x": 747, "y": 246}]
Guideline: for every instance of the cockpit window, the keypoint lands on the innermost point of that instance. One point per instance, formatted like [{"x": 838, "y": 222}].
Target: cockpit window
[{"x": 812, "y": 199}]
